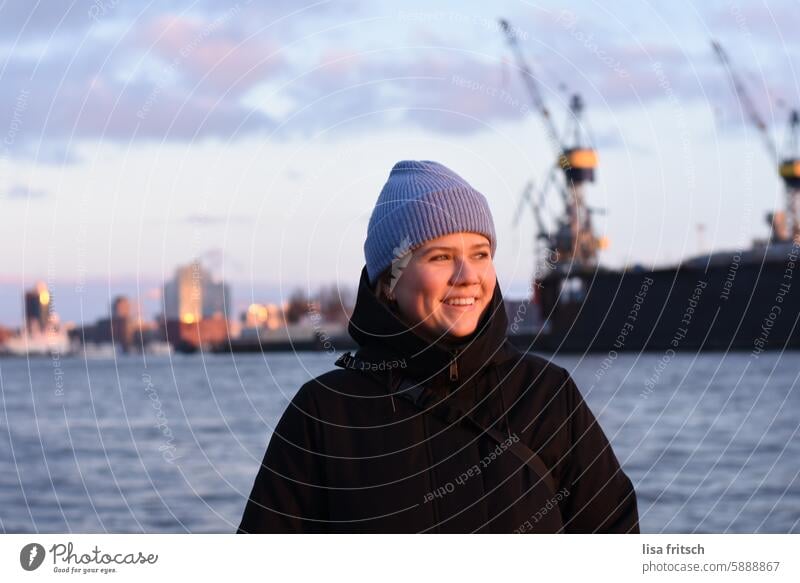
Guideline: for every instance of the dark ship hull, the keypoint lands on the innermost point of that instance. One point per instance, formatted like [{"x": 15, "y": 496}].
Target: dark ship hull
[{"x": 748, "y": 300}]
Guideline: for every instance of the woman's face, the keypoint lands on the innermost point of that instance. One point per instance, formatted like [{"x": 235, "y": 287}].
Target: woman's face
[{"x": 447, "y": 285}]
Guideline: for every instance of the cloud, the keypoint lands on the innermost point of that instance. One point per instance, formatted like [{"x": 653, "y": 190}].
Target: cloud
[
  {"x": 49, "y": 152},
  {"x": 31, "y": 19},
  {"x": 294, "y": 174},
  {"x": 207, "y": 220},
  {"x": 452, "y": 90},
  {"x": 185, "y": 71},
  {"x": 773, "y": 22},
  {"x": 21, "y": 192},
  {"x": 440, "y": 90},
  {"x": 62, "y": 98},
  {"x": 213, "y": 52}
]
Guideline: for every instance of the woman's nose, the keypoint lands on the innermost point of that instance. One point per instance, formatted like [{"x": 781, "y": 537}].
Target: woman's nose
[{"x": 465, "y": 273}]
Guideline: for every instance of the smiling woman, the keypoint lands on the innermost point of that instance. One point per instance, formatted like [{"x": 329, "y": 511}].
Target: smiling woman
[
  {"x": 445, "y": 287},
  {"x": 467, "y": 434}
]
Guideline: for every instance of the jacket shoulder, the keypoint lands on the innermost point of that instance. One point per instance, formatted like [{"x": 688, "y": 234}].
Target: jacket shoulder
[
  {"x": 533, "y": 364},
  {"x": 340, "y": 378},
  {"x": 336, "y": 384}
]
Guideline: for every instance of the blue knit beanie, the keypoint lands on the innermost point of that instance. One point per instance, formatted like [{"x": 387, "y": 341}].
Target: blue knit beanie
[{"x": 422, "y": 200}]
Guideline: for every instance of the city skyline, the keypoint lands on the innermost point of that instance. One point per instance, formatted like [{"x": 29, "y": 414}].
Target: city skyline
[
  {"x": 159, "y": 302},
  {"x": 87, "y": 300},
  {"x": 195, "y": 314}
]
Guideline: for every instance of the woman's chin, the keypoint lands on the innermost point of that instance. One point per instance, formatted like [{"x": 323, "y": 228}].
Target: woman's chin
[{"x": 460, "y": 330}]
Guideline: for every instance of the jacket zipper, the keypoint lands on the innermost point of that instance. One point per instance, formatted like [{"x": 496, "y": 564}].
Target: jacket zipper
[
  {"x": 431, "y": 473},
  {"x": 454, "y": 367}
]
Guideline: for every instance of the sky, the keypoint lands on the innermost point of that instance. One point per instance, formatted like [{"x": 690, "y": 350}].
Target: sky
[{"x": 136, "y": 136}]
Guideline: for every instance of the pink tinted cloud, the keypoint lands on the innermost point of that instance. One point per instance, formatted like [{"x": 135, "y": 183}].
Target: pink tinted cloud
[{"x": 211, "y": 50}]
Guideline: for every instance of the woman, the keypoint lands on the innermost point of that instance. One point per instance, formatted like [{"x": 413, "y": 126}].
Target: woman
[{"x": 437, "y": 424}]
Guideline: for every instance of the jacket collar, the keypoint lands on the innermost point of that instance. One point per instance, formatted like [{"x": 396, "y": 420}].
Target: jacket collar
[{"x": 384, "y": 338}]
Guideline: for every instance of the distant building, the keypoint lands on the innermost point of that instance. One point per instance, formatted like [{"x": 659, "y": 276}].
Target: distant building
[
  {"x": 5, "y": 334},
  {"x": 193, "y": 295},
  {"x": 42, "y": 332},
  {"x": 117, "y": 329},
  {"x": 196, "y": 308},
  {"x": 121, "y": 324},
  {"x": 216, "y": 299},
  {"x": 271, "y": 316},
  {"x": 183, "y": 295},
  {"x": 204, "y": 335},
  {"x": 121, "y": 308},
  {"x": 37, "y": 309}
]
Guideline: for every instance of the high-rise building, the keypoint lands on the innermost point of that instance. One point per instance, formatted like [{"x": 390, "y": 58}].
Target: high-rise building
[
  {"x": 183, "y": 296},
  {"x": 121, "y": 308},
  {"x": 196, "y": 308},
  {"x": 37, "y": 308},
  {"x": 216, "y": 299},
  {"x": 120, "y": 322}
]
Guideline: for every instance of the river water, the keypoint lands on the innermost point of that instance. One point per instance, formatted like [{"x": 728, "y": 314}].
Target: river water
[{"x": 173, "y": 443}]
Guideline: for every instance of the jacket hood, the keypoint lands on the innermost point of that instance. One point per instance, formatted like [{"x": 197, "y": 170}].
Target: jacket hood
[{"x": 384, "y": 338}]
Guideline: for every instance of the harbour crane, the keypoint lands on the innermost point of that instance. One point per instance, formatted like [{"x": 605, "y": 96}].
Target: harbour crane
[
  {"x": 785, "y": 225},
  {"x": 574, "y": 241}
]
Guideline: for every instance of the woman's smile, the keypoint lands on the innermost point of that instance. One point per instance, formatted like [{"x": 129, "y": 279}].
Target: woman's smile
[{"x": 465, "y": 302}]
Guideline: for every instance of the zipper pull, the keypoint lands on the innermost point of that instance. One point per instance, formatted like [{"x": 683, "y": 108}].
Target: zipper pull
[{"x": 454, "y": 367}]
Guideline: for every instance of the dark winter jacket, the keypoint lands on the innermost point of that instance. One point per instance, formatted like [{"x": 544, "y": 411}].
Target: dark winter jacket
[{"x": 354, "y": 453}]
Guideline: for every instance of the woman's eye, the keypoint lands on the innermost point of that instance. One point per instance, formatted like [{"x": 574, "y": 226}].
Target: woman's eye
[
  {"x": 483, "y": 255},
  {"x": 437, "y": 257}
]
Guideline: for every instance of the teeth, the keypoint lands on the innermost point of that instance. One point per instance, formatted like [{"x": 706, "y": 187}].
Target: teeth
[{"x": 460, "y": 301}]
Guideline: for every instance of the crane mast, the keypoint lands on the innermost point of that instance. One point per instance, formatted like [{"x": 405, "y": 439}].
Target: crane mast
[
  {"x": 785, "y": 224},
  {"x": 574, "y": 240}
]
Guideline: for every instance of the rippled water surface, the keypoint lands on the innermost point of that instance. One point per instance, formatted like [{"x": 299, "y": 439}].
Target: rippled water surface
[{"x": 173, "y": 444}]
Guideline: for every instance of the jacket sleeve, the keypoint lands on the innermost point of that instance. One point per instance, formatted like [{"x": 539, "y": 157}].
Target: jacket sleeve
[
  {"x": 600, "y": 498},
  {"x": 288, "y": 495}
]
